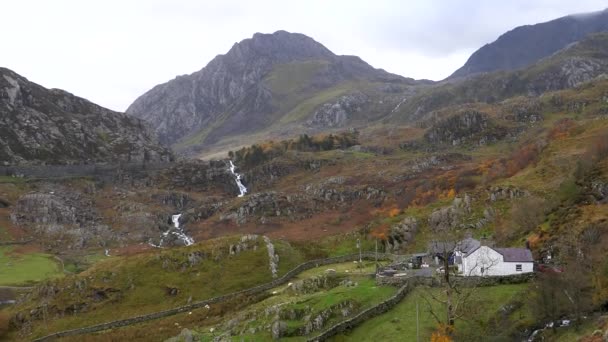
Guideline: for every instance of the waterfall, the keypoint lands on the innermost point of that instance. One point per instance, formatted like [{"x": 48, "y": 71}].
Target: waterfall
[
  {"x": 178, "y": 231},
  {"x": 237, "y": 179}
]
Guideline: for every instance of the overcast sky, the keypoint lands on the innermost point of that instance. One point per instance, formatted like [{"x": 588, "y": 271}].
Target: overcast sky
[{"x": 112, "y": 51}]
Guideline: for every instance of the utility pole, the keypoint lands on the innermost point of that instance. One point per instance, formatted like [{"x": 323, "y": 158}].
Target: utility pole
[
  {"x": 360, "y": 259},
  {"x": 376, "y": 251},
  {"x": 417, "y": 323}
]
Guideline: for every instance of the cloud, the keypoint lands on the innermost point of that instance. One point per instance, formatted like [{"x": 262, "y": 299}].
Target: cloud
[{"x": 113, "y": 51}]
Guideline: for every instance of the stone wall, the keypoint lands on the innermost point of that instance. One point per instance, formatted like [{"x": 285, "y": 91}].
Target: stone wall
[
  {"x": 459, "y": 280},
  {"x": 247, "y": 292},
  {"x": 68, "y": 171},
  {"x": 364, "y": 315},
  {"x": 408, "y": 283}
]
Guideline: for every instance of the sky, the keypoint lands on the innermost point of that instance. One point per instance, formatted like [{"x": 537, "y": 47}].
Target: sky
[{"x": 112, "y": 51}]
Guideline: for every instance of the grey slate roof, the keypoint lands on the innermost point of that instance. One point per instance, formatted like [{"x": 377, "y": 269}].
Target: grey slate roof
[
  {"x": 468, "y": 245},
  {"x": 515, "y": 254}
]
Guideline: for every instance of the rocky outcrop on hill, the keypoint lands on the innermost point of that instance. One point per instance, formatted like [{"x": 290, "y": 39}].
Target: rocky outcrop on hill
[
  {"x": 52, "y": 126},
  {"x": 528, "y": 44},
  {"x": 264, "y": 206},
  {"x": 200, "y": 175},
  {"x": 571, "y": 72},
  {"x": 179, "y": 201},
  {"x": 337, "y": 113},
  {"x": 61, "y": 218},
  {"x": 450, "y": 217},
  {"x": 401, "y": 234},
  {"x": 468, "y": 126},
  {"x": 313, "y": 284},
  {"x": 528, "y": 110},
  {"x": 497, "y": 193}
]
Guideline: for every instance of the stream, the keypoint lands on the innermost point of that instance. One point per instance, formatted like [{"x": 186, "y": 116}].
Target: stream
[
  {"x": 176, "y": 231},
  {"x": 237, "y": 179}
]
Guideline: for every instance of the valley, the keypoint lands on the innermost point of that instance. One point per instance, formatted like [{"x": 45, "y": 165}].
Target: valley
[{"x": 295, "y": 194}]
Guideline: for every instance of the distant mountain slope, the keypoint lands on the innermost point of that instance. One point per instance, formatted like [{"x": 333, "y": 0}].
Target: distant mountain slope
[
  {"x": 527, "y": 44},
  {"x": 578, "y": 63},
  {"x": 39, "y": 125},
  {"x": 267, "y": 82}
]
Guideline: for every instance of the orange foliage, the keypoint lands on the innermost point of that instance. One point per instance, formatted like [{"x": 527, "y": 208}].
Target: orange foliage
[
  {"x": 394, "y": 212},
  {"x": 380, "y": 232},
  {"x": 390, "y": 212},
  {"x": 442, "y": 334},
  {"x": 448, "y": 194},
  {"x": 534, "y": 241}
]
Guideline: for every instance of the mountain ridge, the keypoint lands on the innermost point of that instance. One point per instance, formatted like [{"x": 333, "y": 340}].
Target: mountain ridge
[
  {"x": 76, "y": 130},
  {"x": 527, "y": 44}
]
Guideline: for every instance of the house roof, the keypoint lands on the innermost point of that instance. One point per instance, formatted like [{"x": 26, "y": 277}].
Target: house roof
[
  {"x": 468, "y": 245},
  {"x": 515, "y": 254}
]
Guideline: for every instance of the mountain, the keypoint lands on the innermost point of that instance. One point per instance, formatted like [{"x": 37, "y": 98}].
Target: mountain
[
  {"x": 52, "y": 126},
  {"x": 570, "y": 67},
  {"x": 270, "y": 82},
  {"x": 527, "y": 44}
]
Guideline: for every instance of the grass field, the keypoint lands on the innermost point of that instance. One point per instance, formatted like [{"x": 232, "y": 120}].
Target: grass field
[
  {"x": 399, "y": 324},
  {"x": 24, "y": 269}
]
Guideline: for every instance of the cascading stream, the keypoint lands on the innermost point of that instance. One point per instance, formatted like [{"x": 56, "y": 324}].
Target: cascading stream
[
  {"x": 237, "y": 179},
  {"x": 177, "y": 231}
]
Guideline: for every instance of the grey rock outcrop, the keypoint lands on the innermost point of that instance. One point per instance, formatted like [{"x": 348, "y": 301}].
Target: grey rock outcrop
[
  {"x": 52, "y": 126},
  {"x": 400, "y": 234},
  {"x": 278, "y": 330},
  {"x": 497, "y": 193},
  {"x": 62, "y": 218},
  {"x": 450, "y": 217},
  {"x": 337, "y": 113},
  {"x": 468, "y": 126}
]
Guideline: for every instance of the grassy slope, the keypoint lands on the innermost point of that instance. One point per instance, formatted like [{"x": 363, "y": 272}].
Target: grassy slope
[
  {"x": 142, "y": 281},
  {"x": 399, "y": 324},
  {"x": 24, "y": 269},
  {"x": 364, "y": 295}
]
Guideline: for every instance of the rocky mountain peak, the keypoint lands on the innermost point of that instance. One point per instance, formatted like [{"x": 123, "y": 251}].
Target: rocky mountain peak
[
  {"x": 281, "y": 45},
  {"x": 215, "y": 102}
]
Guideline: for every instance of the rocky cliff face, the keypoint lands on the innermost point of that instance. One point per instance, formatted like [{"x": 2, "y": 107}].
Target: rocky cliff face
[
  {"x": 528, "y": 44},
  {"x": 39, "y": 125},
  {"x": 238, "y": 88}
]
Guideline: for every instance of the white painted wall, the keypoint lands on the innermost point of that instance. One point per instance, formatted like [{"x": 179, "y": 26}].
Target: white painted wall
[{"x": 487, "y": 262}]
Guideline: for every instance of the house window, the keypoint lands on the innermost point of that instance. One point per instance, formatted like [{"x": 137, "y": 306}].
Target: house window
[{"x": 518, "y": 268}]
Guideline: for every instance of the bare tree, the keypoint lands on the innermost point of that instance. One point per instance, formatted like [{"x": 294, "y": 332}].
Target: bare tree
[{"x": 459, "y": 294}]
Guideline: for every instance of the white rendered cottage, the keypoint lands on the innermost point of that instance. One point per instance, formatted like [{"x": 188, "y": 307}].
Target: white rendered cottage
[{"x": 473, "y": 259}]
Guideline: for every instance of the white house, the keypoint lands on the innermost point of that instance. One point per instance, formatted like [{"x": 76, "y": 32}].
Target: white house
[{"x": 473, "y": 259}]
